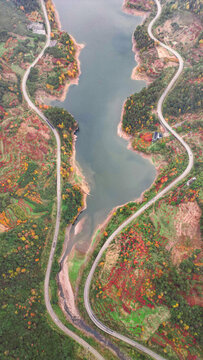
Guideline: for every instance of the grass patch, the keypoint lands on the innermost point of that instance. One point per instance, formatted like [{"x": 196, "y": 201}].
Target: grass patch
[
  {"x": 77, "y": 178},
  {"x": 95, "y": 236},
  {"x": 74, "y": 266},
  {"x": 164, "y": 222},
  {"x": 17, "y": 69},
  {"x": 12, "y": 19},
  {"x": 2, "y": 49}
]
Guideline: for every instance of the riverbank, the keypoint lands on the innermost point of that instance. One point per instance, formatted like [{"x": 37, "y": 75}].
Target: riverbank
[
  {"x": 136, "y": 75},
  {"x": 43, "y": 96},
  {"x": 64, "y": 281},
  {"x": 144, "y": 15},
  {"x": 78, "y": 47},
  {"x": 138, "y": 272},
  {"x": 77, "y": 177},
  {"x": 65, "y": 267},
  {"x": 135, "y": 12},
  {"x": 78, "y": 172},
  {"x": 29, "y": 154},
  {"x": 122, "y": 134},
  {"x": 129, "y": 138}
]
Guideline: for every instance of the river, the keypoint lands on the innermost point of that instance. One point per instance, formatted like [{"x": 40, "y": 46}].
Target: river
[{"x": 115, "y": 174}]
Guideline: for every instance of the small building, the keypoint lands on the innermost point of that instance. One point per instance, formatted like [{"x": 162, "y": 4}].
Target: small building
[
  {"x": 40, "y": 32},
  {"x": 156, "y": 136},
  {"x": 37, "y": 28},
  {"x": 52, "y": 43},
  {"x": 190, "y": 181}
]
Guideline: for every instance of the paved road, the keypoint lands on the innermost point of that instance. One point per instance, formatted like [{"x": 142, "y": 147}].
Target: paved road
[
  {"x": 58, "y": 216},
  {"x": 146, "y": 206}
]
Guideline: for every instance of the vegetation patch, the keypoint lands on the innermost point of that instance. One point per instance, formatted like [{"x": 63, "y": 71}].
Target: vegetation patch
[
  {"x": 74, "y": 265},
  {"x": 152, "y": 290},
  {"x": 138, "y": 114},
  {"x": 27, "y": 195},
  {"x": 145, "y": 292}
]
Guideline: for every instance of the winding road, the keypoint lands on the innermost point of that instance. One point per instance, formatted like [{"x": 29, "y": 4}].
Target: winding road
[
  {"x": 92, "y": 316},
  {"x": 121, "y": 227},
  {"x": 58, "y": 215}
]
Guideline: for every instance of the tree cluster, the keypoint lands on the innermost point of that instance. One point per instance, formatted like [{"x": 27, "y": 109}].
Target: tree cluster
[
  {"x": 32, "y": 80},
  {"x": 137, "y": 112},
  {"x": 53, "y": 80},
  {"x": 72, "y": 202},
  {"x": 28, "y": 6},
  {"x": 187, "y": 95},
  {"x": 143, "y": 40},
  {"x": 56, "y": 52},
  {"x": 58, "y": 116}
]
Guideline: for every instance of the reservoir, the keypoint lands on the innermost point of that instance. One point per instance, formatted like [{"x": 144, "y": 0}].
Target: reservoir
[{"x": 115, "y": 174}]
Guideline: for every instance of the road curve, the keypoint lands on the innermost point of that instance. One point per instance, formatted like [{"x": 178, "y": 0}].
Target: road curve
[
  {"x": 58, "y": 215},
  {"x": 146, "y": 206}
]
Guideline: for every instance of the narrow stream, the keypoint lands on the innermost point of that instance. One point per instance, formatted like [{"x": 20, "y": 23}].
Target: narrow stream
[{"x": 115, "y": 174}]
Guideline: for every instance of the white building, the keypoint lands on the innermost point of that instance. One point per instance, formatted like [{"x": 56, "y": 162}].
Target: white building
[{"x": 37, "y": 28}]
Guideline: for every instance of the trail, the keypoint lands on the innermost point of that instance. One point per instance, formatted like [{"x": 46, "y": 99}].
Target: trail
[
  {"x": 58, "y": 215},
  {"x": 90, "y": 312}
]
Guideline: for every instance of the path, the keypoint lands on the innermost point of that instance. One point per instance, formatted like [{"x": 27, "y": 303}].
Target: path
[
  {"x": 97, "y": 322},
  {"x": 58, "y": 215}
]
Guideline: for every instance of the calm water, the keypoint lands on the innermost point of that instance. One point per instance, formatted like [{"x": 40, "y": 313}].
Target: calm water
[{"x": 115, "y": 174}]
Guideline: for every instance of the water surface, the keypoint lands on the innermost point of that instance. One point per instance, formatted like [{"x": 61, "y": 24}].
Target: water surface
[{"x": 115, "y": 174}]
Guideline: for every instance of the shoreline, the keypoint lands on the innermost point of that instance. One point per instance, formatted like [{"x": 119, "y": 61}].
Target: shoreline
[
  {"x": 64, "y": 277},
  {"x": 64, "y": 281},
  {"x": 79, "y": 47},
  {"x": 129, "y": 138},
  {"x": 44, "y": 96},
  {"x": 83, "y": 184},
  {"x": 135, "y": 75},
  {"x": 144, "y": 15},
  {"x": 130, "y": 11},
  {"x": 124, "y": 135},
  {"x": 56, "y": 15}
]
